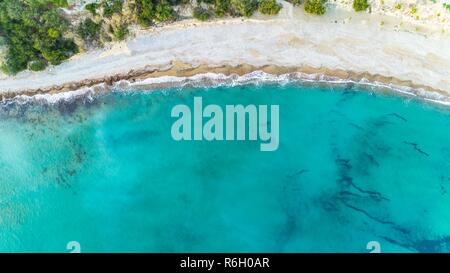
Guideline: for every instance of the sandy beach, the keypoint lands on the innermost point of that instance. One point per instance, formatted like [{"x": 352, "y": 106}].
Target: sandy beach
[{"x": 342, "y": 44}]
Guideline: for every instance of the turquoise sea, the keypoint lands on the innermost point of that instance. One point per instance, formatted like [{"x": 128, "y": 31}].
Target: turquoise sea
[{"x": 353, "y": 166}]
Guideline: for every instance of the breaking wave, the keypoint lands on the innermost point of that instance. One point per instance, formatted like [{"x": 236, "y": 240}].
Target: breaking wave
[{"x": 217, "y": 80}]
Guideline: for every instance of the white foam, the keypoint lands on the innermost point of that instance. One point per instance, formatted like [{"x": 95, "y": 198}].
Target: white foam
[
  {"x": 87, "y": 93},
  {"x": 218, "y": 79}
]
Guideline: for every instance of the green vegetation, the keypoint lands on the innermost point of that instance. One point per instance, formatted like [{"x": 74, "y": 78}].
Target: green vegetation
[
  {"x": 201, "y": 14},
  {"x": 360, "y": 5},
  {"x": 60, "y": 3},
  {"x": 446, "y": 6},
  {"x": 37, "y": 65},
  {"x": 111, "y": 7},
  {"x": 315, "y": 6},
  {"x": 89, "y": 31},
  {"x": 120, "y": 31},
  {"x": 92, "y": 8},
  {"x": 235, "y": 8},
  {"x": 398, "y": 6},
  {"x": 244, "y": 7},
  {"x": 221, "y": 7},
  {"x": 163, "y": 11},
  {"x": 210, "y": 2},
  {"x": 34, "y": 33},
  {"x": 413, "y": 10},
  {"x": 148, "y": 11},
  {"x": 144, "y": 12},
  {"x": 295, "y": 2},
  {"x": 269, "y": 7}
]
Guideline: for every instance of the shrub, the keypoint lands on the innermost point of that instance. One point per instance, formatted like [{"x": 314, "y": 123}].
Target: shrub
[
  {"x": 37, "y": 65},
  {"x": 111, "y": 7},
  {"x": 269, "y": 7},
  {"x": 295, "y": 2},
  {"x": 89, "y": 31},
  {"x": 34, "y": 30},
  {"x": 57, "y": 52},
  {"x": 360, "y": 5},
  {"x": 163, "y": 12},
  {"x": 315, "y": 7},
  {"x": 179, "y": 2},
  {"x": 244, "y": 7},
  {"x": 16, "y": 60},
  {"x": 120, "y": 32},
  {"x": 221, "y": 7},
  {"x": 92, "y": 8},
  {"x": 446, "y": 6},
  {"x": 144, "y": 10},
  {"x": 53, "y": 33},
  {"x": 60, "y": 3},
  {"x": 201, "y": 14},
  {"x": 209, "y": 2}
]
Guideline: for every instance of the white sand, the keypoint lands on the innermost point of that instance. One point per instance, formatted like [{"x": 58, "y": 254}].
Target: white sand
[{"x": 356, "y": 42}]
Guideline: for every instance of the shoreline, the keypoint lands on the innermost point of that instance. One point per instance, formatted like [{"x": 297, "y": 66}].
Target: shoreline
[
  {"x": 178, "y": 75},
  {"x": 293, "y": 42},
  {"x": 178, "y": 69}
]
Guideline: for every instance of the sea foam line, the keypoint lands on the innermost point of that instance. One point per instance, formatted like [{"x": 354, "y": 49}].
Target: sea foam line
[{"x": 210, "y": 79}]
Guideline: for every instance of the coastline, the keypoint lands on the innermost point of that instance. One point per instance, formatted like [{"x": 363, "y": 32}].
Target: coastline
[
  {"x": 204, "y": 76},
  {"x": 356, "y": 50},
  {"x": 154, "y": 78}
]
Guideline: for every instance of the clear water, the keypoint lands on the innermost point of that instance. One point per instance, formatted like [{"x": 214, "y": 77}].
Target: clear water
[{"x": 352, "y": 167}]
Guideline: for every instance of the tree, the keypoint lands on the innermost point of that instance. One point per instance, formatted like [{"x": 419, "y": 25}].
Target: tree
[
  {"x": 111, "y": 7},
  {"x": 269, "y": 7},
  {"x": 295, "y": 2},
  {"x": 34, "y": 34},
  {"x": 89, "y": 31},
  {"x": 120, "y": 31},
  {"x": 209, "y": 2},
  {"x": 221, "y": 7},
  {"x": 163, "y": 11},
  {"x": 57, "y": 52},
  {"x": 92, "y": 8},
  {"x": 201, "y": 14},
  {"x": 244, "y": 7},
  {"x": 144, "y": 12},
  {"x": 360, "y": 5},
  {"x": 37, "y": 65},
  {"x": 315, "y": 6},
  {"x": 60, "y": 3}
]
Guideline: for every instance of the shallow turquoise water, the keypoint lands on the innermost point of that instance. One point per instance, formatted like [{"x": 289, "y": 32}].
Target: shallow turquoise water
[{"x": 352, "y": 167}]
